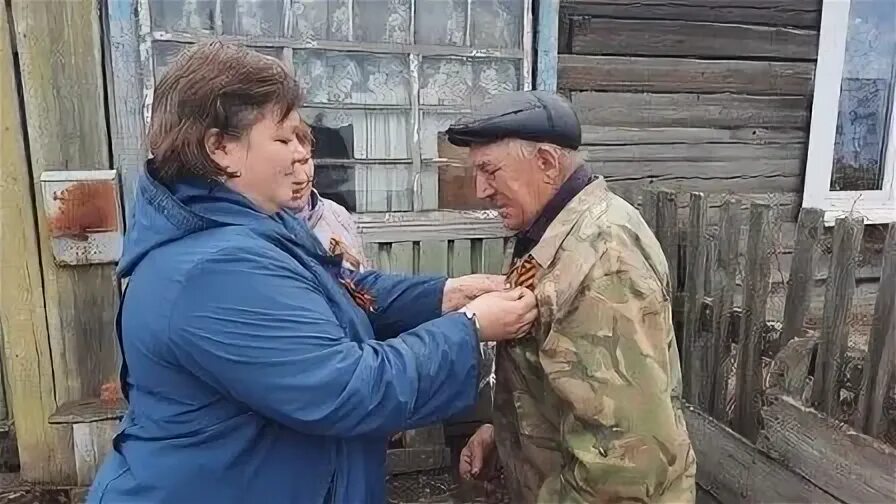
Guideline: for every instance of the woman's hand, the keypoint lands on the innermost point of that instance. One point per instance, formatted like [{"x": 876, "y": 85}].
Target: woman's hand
[
  {"x": 460, "y": 291},
  {"x": 505, "y": 314}
]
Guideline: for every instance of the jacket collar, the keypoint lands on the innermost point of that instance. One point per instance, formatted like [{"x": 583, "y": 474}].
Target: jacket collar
[{"x": 560, "y": 227}]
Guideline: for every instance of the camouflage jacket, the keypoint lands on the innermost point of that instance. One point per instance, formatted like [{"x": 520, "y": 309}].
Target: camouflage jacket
[{"x": 587, "y": 405}]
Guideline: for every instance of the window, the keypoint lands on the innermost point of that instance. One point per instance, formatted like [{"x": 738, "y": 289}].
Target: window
[
  {"x": 384, "y": 79},
  {"x": 852, "y": 146}
]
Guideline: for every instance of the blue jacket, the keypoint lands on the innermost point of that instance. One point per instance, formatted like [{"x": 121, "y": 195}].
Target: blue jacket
[{"x": 252, "y": 375}]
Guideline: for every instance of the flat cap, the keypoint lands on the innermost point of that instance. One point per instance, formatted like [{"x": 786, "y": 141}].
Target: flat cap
[{"x": 538, "y": 116}]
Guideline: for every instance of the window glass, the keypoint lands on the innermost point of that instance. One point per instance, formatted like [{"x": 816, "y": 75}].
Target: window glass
[{"x": 866, "y": 97}]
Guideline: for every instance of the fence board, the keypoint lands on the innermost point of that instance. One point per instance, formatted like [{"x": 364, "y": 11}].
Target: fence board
[
  {"x": 402, "y": 257},
  {"x": 666, "y": 222},
  {"x": 433, "y": 257},
  {"x": 460, "y": 260},
  {"x": 735, "y": 471},
  {"x": 848, "y": 465},
  {"x": 756, "y": 288},
  {"x": 683, "y": 75},
  {"x": 694, "y": 345},
  {"x": 879, "y": 361},
  {"x": 45, "y": 452},
  {"x": 802, "y": 270},
  {"x": 682, "y": 38},
  {"x": 60, "y": 54},
  {"x": 838, "y": 301}
]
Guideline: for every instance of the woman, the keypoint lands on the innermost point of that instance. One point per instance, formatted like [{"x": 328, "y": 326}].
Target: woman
[
  {"x": 251, "y": 371},
  {"x": 332, "y": 223}
]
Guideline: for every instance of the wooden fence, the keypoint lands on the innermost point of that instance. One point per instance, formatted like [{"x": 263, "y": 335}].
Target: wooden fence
[{"x": 778, "y": 412}]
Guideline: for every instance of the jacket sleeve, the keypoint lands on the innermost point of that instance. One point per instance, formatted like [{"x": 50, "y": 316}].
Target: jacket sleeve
[
  {"x": 607, "y": 356},
  {"x": 401, "y": 302},
  {"x": 258, "y": 329}
]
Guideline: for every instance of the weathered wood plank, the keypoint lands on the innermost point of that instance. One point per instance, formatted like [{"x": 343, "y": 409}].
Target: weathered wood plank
[
  {"x": 401, "y": 258},
  {"x": 60, "y": 55},
  {"x": 757, "y": 272},
  {"x": 694, "y": 152},
  {"x": 735, "y": 471},
  {"x": 838, "y": 301},
  {"x": 615, "y": 135},
  {"x": 799, "y": 13},
  {"x": 433, "y": 258},
  {"x": 460, "y": 261},
  {"x": 690, "y": 39},
  {"x": 683, "y": 75},
  {"x": 879, "y": 360},
  {"x": 126, "y": 95},
  {"x": 427, "y": 226},
  {"x": 666, "y": 215},
  {"x": 725, "y": 275},
  {"x": 694, "y": 347},
  {"x": 690, "y": 110},
  {"x": 848, "y": 465},
  {"x": 648, "y": 207},
  {"x": 802, "y": 267},
  {"x": 92, "y": 441},
  {"x": 417, "y": 459},
  {"x": 705, "y": 176},
  {"x": 45, "y": 452}
]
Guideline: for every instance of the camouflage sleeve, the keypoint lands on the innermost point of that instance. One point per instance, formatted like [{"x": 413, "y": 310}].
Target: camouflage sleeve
[{"x": 609, "y": 356}]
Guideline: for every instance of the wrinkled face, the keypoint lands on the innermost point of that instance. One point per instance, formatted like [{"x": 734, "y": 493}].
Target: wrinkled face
[
  {"x": 272, "y": 161},
  {"x": 517, "y": 180}
]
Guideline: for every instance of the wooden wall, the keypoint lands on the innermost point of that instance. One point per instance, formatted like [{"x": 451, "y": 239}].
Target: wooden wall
[
  {"x": 705, "y": 95},
  {"x": 708, "y": 95}
]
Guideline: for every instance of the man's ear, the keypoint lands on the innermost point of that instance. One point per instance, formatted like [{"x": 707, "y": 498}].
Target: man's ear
[{"x": 549, "y": 163}]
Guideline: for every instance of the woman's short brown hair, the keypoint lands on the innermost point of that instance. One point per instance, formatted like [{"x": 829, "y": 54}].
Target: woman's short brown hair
[{"x": 214, "y": 85}]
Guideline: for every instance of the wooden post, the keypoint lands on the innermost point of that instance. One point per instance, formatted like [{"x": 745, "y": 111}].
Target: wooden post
[
  {"x": 723, "y": 303},
  {"x": 749, "y": 349},
  {"x": 802, "y": 270},
  {"x": 45, "y": 452},
  {"x": 694, "y": 347},
  {"x": 667, "y": 232},
  {"x": 879, "y": 360},
  {"x": 648, "y": 208},
  {"x": 838, "y": 295}
]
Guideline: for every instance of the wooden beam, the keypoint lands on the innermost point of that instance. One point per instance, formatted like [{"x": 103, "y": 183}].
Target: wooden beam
[
  {"x": 60, "y": 53},
  {"x": 799, "y": 13},
  {"x": 757, "y": 271},
  {"x": 705, "y": 176},
  {"x": 697, "y": 152},
  {"x": 601, "y": 36},
  {"x": 45, "y": 452},
  {"x": 694, "y": 347},
  {"x": 733, "y": 470},
  {"x": 879, "y": 359},
  {"x": 848, "y": 465},
  {"x": 838, "y": 300},
  {"x": 683, "y": 75},
  {"x": 802, "y": 269},
  {"x": 689, "y": 110}
]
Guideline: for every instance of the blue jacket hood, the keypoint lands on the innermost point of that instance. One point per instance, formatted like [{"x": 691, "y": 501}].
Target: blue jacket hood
[{"x": 163, "y": 214}]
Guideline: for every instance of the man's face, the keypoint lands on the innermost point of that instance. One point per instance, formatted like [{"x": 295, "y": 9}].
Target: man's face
[{"x": 517, "y": 181}]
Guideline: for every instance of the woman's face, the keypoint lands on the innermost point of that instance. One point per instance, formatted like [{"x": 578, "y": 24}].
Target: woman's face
[
  {"x": 303, "y": 189},
  {"x": 271, "y": 162}
]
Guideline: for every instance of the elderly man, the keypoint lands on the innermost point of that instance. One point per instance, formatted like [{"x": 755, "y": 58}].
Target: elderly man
[{"x": 587, "y": 406}]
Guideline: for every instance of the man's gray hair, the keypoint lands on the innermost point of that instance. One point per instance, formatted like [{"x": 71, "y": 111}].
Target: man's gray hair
[{"x": 571, "y": 159}]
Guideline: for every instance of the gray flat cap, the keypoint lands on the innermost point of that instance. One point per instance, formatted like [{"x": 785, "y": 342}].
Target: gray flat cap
[{"x": 538, "y": 116}]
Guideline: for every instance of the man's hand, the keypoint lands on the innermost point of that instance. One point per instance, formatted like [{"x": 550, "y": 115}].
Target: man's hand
[
  {"x": 460, "y": 291},
  {"x": 477, "y": 454}
]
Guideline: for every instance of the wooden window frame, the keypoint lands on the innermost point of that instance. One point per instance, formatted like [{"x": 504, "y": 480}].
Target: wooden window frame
[
  {"x": 877, "y": 206},
  {"x": 415, "y": 53}
]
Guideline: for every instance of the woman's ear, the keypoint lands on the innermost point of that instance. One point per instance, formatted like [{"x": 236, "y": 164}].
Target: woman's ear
[{"x": 221, "y": 151}]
